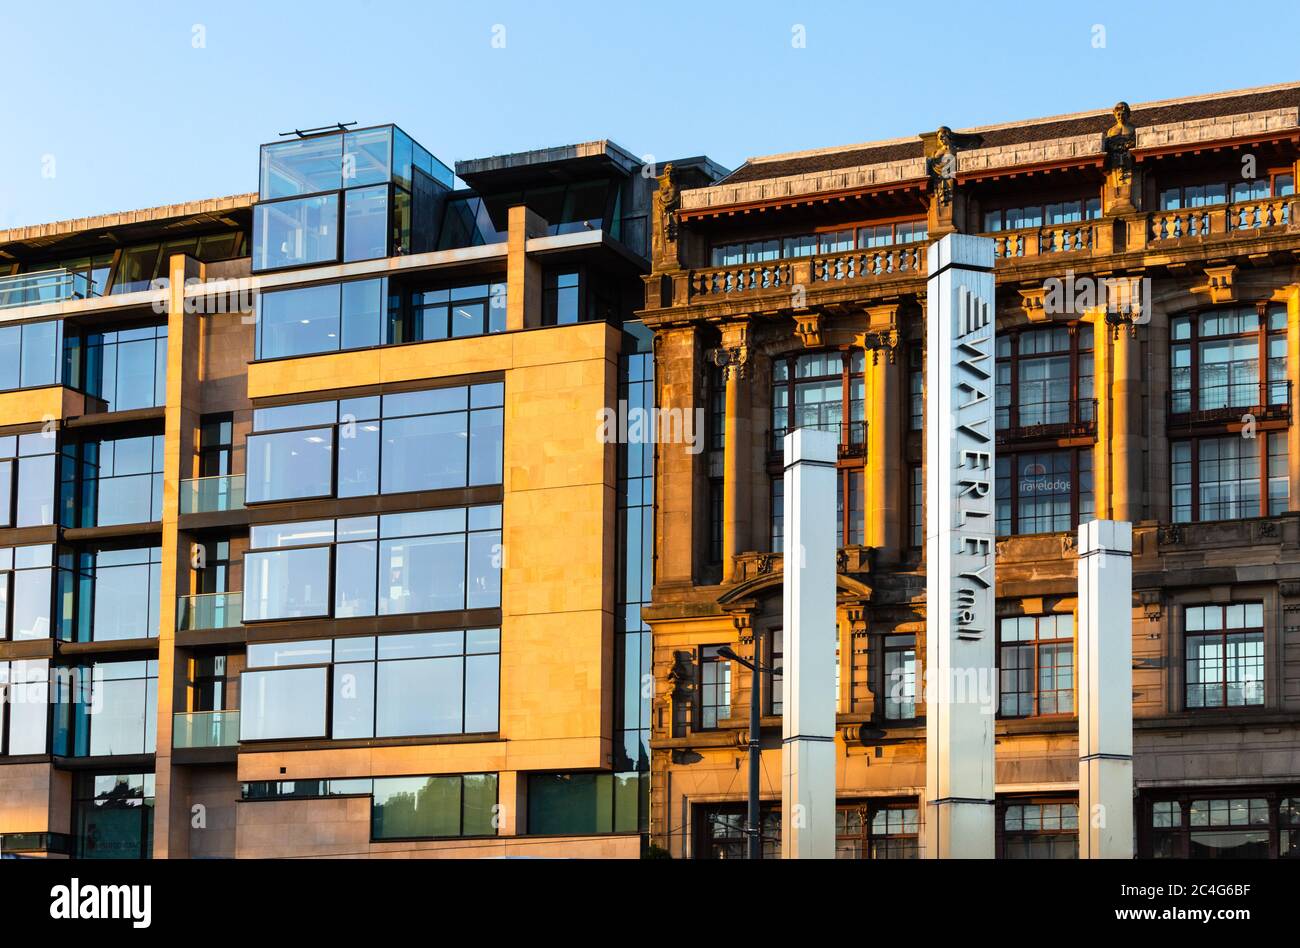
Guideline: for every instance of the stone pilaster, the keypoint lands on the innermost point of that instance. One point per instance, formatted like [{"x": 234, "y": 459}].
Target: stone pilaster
[
  {"x": 884, "y": 474},
  {"x": 523, "y": 273},
  {"x": 733, "y": 357}
]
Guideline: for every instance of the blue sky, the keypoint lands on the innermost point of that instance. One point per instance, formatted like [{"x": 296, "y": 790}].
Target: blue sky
[{"x": 113, "y": 106}]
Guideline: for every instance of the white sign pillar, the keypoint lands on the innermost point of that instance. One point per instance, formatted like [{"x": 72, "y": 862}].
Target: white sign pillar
[
  {"x": 808, "y": 611},
  {"x": 960, "y": 674},
  {"x": 1106, "y": 690}
]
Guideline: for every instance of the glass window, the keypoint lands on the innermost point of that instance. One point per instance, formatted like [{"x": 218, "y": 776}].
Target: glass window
[
  {"x": 30, "y": 354},
  {"x": 26, "y": 592},
  {"x": 1043, "y": 492},
  {"x": 298, "y": 321},
  {"x": 825, "y": 390},
  {"x": 367, "y": 155},
  {"x": 414, "y": 684},
  {"x": 121, "y": 598},
  {"x": 365, "y": 223},
  {"x": 560, "y": 299},
  {"x": 1230, "y": 477},
  {"x": 289, "y": 465},
  {"x": 1034, "y": 829},
  {"x": 26, "y": 705},
  {"x": 432, "y": 807},
  {"x": 296, "y": 233},
  {"x": 715, "y": 687},
  {"x": 284, "y": 703},
  {"x": 900, "y": 677},
  {"x": 127, "y": 368},
  {"x": 111, "y": 482},
  {"x": 877, "y": 830},
  {"x": 286, "y": 584},
  {"x": 106, "y": 708},
  {"x": 364, "y": 312},
  {"x": 1224, "y": 655},
  {"x": 136, "y": 269},
  {"x": 566, "y": 804},
  {"x": 719, "y": 831},
  {"x": 1233, "y": 358},
  {"x": 436, "y": 439},
  {"x": 113, "y": 816},
  {"x": 28, "y": 480},
  {"x": 306, "y": 166},
  {"x": 428, "y": 561},
  {"x": 1036, "y": 665}
]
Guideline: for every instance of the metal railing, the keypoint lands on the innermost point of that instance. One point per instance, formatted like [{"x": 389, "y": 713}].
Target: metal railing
[
  {"x": 44, "y": 286},
  {"x": 1053, "y": 419},
  {"x": 205, "y": 729},
  {"x": 212, "y": 494},
  {"x": 1229, "y": 401},
  {"x": 209, "y": 611},
  {"x": 852, "y": 436}
]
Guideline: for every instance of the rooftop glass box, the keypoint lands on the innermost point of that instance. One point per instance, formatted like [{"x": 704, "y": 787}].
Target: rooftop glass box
[{"x": 358, "y": 194}]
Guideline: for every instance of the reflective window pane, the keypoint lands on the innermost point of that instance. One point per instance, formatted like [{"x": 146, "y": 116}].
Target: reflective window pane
[
  {"x": 289, "y": 465},
  {"x": 286, "y": 584},
  {"x": 283, "y": 703},
  {"x": 296, "y": 233}
]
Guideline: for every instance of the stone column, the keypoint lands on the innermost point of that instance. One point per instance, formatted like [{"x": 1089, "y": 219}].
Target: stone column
[
  {"x": 1105, "y": 690},
  {"x": 884, "y": 474},
  {"x": 171, "y": 834},
  {"x": 1125, "y": 392},
  {"x": 961, "y": 692},
  {"x": 1117, "y": 460},
  {"x": 732, "y": 358},
  {"x": 1291, "y": 296},
  {"x": 808, "y": 614},
  {"x": 523, "y": 274}
]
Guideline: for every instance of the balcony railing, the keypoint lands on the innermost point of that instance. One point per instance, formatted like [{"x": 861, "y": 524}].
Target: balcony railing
[
  {"x": 740, "y": 278},
  {"x": 1046, "y": 420},
  {"x": 209, "y": 611},
  {"x": 852, "y": 437},
  {"x": 864, "y": 264},
  {"x": 1213, "y": 219},
  {"x": 44, "y": 286},
  {"x": 1211, "y": 404},
  {"x": 1040, "y": 241},
  {"x": 205, "y": 729},
  {"x": 212, "y": 494}
]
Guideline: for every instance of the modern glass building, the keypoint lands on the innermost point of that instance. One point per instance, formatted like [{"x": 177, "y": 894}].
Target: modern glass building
[{"x": 310, "y": 544}]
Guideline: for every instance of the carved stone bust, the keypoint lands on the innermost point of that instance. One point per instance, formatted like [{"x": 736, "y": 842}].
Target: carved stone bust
[{"x": 1120, "y": 140}]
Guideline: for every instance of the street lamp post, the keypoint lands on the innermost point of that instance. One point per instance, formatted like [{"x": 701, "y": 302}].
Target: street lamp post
[{"x": 753, "y": 828}]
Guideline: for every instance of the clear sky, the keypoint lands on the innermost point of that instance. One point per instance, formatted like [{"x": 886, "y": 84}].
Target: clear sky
[{"x": 118, "y": 105}]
